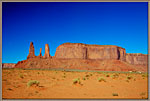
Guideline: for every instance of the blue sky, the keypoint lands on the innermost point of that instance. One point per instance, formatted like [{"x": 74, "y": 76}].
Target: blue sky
[{"x": 123, "y": 24}]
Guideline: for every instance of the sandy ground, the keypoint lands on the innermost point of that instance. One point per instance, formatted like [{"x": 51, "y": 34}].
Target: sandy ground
[{"x": 61, "y": 85}]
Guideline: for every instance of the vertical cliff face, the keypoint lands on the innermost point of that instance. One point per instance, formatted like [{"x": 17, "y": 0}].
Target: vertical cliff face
[
  {"x": 47, "y": 54},
  {"x": 121, "y": 54},
  {"x": 31, "y": 51},
  {"x": 68, "y": 50},
  {"x": 83, "y": 51},
  {"x": 102, "y": 52},
  {"x": 137, "y": 59}
]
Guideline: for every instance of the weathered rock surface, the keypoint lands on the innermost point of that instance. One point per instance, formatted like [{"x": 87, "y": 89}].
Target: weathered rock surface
[
  {"x": 86, "y": 57},
  {"x": 82, "y": 64},
  {"x": 47, "y": 54},
  {"x": 8, "y": 65},
  {"x": 31, "y": 51},
  {"x": 69, "y": 51},
  {"x": 84, "y": 51},
  {"x": 137, "y": 59},
  {"x": 40, "y": 55}
]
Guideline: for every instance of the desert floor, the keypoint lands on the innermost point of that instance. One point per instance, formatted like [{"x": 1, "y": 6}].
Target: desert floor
[{"x": 56, "y": 84}]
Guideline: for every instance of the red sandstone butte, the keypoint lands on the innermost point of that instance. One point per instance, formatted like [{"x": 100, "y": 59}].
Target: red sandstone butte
[
  {"x": 86, "y": 57},
  {"x": 84, "y": 51},
  {"x": 8, "y": 65}
]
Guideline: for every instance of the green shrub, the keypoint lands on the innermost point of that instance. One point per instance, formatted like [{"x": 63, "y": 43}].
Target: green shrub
[
  {"x": 107, "y": 75},
  {"x": 115, "y": 76},
  {"x": 21, "y": 76},
  {"x": 129, "y": 77},
  {"x": 75, "y": 81},
  {"x": 32, "y": 82},
  {"x": 83, "y": 78},
  {"x": 145, "y": 75},
  {"x": 101, "y": 79}
]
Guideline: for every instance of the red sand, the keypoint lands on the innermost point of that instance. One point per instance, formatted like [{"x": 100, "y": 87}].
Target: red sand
[{"x": 59, "y": 84}]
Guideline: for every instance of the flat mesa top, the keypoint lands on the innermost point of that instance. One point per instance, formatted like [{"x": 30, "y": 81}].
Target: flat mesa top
[{"x": 90, "y": 45}]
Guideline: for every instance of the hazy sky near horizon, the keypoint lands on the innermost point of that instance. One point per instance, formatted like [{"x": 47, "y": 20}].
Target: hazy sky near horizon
[{"x": 123, "y": 24}]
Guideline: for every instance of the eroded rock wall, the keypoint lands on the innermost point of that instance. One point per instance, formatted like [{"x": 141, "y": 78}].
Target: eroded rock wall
[
  {"x": 137, "y": 59},
  {"x": 84, "y": 51},
  {"x": 68, "y": 51},
  {"x": 8, "y": 65}
]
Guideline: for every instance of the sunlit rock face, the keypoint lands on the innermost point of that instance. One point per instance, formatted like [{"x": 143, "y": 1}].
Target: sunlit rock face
[
  {"x": 137, "y": 59},
  {"x": 84, "y": 51},
  {"x": 86, "y": 57},
  {"x": 69, "y": 51},
  {"x": 31, "y": 51},
  {"x": 47, "y": 50},
  {"x": 40, "y": 55}
]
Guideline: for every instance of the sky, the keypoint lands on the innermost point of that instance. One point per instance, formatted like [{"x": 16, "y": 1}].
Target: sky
[{"x": 104, "y": 23}]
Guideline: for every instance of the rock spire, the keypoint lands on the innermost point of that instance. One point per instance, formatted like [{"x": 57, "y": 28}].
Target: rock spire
[
  {"x": 31, "y": 51},
  {"x": 47, "y": 54}
]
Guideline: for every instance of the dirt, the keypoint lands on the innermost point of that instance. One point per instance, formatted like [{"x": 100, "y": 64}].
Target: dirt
[{"x": 61, "y": 85}]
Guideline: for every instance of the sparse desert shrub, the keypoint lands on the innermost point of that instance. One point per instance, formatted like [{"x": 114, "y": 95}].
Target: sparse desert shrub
[
  {"x": 145, "y": 75},
  {"x": 107, "y": 75},
  {"x": 129, "y": 77},
  {"x": 134, "y": 79},
  {"x": 38, "y": 73},
  {"x": 91, "y": 74},
  {"x": 32, "y": 82},
  {"x": 143, "y": 93},
  {"x": 21, "y": 76},
  {"x": 101, "y": 79},
  {"x": 115, "y": 94},
  {"x": 87, "y": 75},
  {"x": 115, "y": 75},
  {"x": 9, "y": 89},
  {"x": 75, "y": 81},
  {"x": 83, "y": 78}
]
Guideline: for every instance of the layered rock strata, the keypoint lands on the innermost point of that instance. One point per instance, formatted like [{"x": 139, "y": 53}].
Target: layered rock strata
[
  {"x": 137, "y": 59},
  {"x": 87, "y": 57},
  {"x": 84, "y": 51}
]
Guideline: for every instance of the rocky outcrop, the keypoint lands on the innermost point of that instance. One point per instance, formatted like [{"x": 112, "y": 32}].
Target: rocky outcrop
[
  {"x": 84, "y": 51},
  {"x": 40, "y": 55},
  {"x": 86, "y": 57},
  {"x": 137, "y": 59},
  {"x": 104, "y": 52},
  {"x": 47, "y": 54},
  {"x": 69, "y": 51},
  {"x": 31, "y": 51},
  {"x": 8, "y": 65}
]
